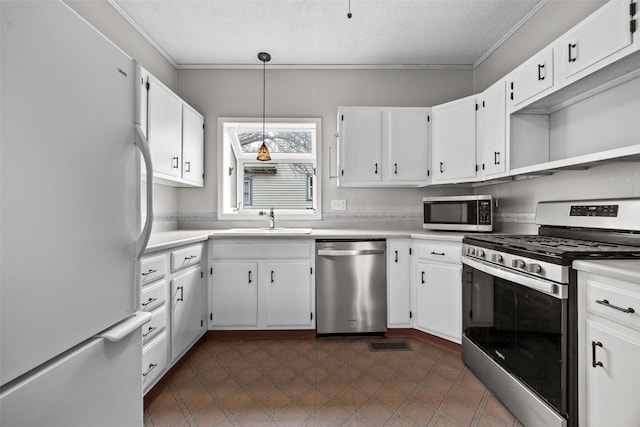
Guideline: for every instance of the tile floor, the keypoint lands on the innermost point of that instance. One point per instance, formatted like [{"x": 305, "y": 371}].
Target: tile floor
[{"x": 322, "y": 382}]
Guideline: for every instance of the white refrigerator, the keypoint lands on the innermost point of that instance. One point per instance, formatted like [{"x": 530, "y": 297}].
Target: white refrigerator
[{"x": 70, "y": 234}]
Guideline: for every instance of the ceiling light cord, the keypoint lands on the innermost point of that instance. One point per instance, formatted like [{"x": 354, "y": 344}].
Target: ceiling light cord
[
  {"x": 349, "y": 15},
  {"x": 263, "y": 151}
]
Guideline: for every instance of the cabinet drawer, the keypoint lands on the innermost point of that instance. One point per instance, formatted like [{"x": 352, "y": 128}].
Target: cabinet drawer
[
  {"x": 152, "y": 269},
  {"x": 154, "y": 359},
  {"x": 449, "y": 252},
  {"x": 185, "y": 257},
  {"x": 261, "y": 249},
  {"x": 153, "y": 295},
  {"x": 620, "y": 304},
  {"x": 155, "y": 325}
]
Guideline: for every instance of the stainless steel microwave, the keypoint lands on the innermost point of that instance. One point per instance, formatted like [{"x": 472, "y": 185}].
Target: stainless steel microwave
[{"x": 459, "y": 213}]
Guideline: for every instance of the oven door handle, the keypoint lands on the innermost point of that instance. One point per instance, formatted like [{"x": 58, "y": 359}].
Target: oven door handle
[{"x": 550, "y": 288}]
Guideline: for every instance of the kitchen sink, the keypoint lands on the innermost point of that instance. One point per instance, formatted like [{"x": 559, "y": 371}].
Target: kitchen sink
[{"x": 265, "y": 231}]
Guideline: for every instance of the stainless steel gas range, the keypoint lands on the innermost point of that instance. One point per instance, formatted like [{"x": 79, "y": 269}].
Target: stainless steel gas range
[{"x": 520, "y": 303}]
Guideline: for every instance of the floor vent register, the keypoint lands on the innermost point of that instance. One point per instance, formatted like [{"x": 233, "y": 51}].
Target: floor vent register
[{"x": 390, "y": 346}]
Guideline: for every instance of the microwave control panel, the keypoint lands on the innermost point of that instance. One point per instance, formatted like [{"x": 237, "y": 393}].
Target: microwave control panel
[{"x": 484, "y": 212}]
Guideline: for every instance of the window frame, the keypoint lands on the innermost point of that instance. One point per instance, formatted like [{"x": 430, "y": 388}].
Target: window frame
[{"x": 226, "y": 157}]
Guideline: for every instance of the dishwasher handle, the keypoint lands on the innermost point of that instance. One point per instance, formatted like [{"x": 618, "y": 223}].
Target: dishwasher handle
[{"x": 349, "y": 252}]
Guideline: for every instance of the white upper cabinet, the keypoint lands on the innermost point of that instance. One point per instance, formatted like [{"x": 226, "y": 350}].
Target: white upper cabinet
[
  {"x": 531, "y": 78},
  {"x": 383, "y": 146},
  {"x": 408, "y": 145},
  {"x": 175, "y": 132},
  {"x": 192, "y": 146},
  {"x": 164, "y": 128},
  {"x": 600, "y": 35},
  {"x": 454, "y": 141},
  {"x": 491, "y": 135},
  {"x": 360, "y": 151}
]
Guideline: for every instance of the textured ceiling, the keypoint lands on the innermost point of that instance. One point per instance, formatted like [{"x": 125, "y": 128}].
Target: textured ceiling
[{"x": 381, "y": 33}]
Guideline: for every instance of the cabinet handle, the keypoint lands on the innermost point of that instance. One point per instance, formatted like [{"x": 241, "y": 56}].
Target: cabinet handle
[
  {"x": 423, "y": 277},
  {"x": 188, "y": 166},
  {"x": 151, "y": 329},
  {"x": 151, "y": 367},
  {"x": 615, "y": 307},
  {"x": 175, "y": 162},
  {"x": 437, "y": 253},
  {"x": 571, "y": 57},
  {"x": 376, "y": 171},
  {"x": 149, "y": 272},
  {"x": 540, "y": 68},
  {"x": 395, "y": 168},
  {"x": 181, "y": 289},
  {"x": 190, "y": 257},
  {"x": 271, "y": 276},
  {"x": 149, "y": 301},
  {"x": 441, "y": 167},
  {"x": 250, "y": 276},
  {"x": 396, "y": 256},
  {"x": 496, "y": 157},
  {"x": 595, "y": 344}
]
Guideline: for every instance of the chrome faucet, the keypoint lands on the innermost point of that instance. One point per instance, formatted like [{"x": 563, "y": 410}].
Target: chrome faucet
[{"x": 270, "y": 217}]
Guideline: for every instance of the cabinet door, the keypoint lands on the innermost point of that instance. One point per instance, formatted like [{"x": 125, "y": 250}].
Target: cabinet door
[
  {"x": 454, "y": 140},
  {"x": 408, "y": 145},
  {"x": 439, "y": 300},
  {"x": 234, "y": 294},
  {"x": 164, "y": 126},
  {"x": 187, "y": 318},
  {"x": 192, "y": 146},
  {"x": 611, "y": 389},
  {"x": 360, "y": 160},
  {"x": 601, "y": 34},
  {"x": 531, "y": 78},
  {"x": 287, "y": 287},
  {"x": 398, "y": 283},
  {"x": 492, "y": 134}
]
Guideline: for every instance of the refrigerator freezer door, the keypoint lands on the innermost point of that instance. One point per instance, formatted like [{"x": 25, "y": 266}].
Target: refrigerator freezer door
[
  {"x": 70, "y": 190},
  {"x": 99, "y": 383}
]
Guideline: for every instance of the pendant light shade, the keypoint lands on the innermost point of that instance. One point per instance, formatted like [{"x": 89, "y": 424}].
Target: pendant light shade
[{"x": 263, "y": 152}]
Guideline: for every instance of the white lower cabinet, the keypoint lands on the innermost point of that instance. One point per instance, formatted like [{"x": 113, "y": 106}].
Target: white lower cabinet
[
  {"x": 234, "y": 293},
  {"x": 608, "y": 351},
  {"x": 287, "y": 293},
  {"x": 187, "y": 318},
  {"x": 437, "y": 278},
  {"x": 173, "y": 291},
  {"x": 399, "y": 314},
  {"x": 261, "y": 284}
]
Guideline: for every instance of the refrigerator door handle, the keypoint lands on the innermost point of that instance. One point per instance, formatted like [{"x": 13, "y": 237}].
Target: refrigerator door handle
[
  {"x": 124, "y": 328},
  {"x": 143, "y": 146}
]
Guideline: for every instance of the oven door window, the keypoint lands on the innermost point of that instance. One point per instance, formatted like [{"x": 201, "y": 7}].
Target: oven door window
[{"x": 521, "y": 329}]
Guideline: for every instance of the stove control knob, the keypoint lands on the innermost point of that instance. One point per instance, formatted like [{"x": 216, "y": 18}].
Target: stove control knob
[
  {"x": 480, "y": 253},
  {"x": 496, "y": 258},
  {"x": 517, "y": 263},
  {"x": 534, "y": 268},
  {"x": 471, "y": 251}
]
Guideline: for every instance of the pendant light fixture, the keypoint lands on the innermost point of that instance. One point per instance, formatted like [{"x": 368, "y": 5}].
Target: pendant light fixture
[{"x": 263, "y": 152}]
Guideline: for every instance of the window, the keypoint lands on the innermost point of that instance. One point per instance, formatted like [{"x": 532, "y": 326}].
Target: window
[{"x": 286, "y": 184}]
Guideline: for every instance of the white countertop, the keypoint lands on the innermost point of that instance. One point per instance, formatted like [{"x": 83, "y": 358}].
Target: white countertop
[
  {"x": 170, "y": 239},
  {"x": 621, "y": 269}
]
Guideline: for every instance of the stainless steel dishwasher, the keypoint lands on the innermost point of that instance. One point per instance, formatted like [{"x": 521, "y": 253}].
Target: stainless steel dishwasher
[{"x": 351, "y": 287}]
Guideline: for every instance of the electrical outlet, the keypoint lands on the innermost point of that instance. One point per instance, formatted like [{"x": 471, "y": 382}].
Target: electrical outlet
[{"x": 338, "y": 205}]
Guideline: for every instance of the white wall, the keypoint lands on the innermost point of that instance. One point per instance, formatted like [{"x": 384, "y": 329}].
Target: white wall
[{"x": 312, "y": 93}]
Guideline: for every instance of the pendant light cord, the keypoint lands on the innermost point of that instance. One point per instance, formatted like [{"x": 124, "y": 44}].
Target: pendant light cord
[{"x": 264, "y": 92}]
